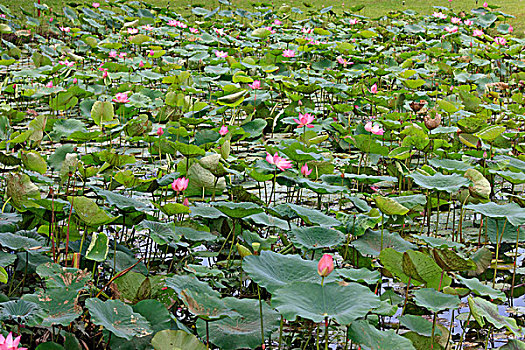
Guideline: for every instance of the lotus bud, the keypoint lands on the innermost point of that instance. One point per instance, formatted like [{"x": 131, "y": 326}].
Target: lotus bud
[
  {"x": 325, "y": 266},
  {"x": 243, "y": 251}
]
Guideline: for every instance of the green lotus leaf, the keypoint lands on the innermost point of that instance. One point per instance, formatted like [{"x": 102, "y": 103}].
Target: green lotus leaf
[
  {"x": 449, "y": 183},
  {"x": 98, "y": 248},
  {"x": 316, "y": 237},
  {"x": 238, "y": 210},
  {"x": 511, "y": 211},
  {"x": 370, "y": 242},
  {"x": 363, "y": 333},
  {"x": 484, "y": 310},
  {"x": 418, "y": 324},
  {"x": 316, "y": 302},
  {"x": 389, "y": 206},
  {"x": 118, "y": 318},
  {"x": 481, "y": 289},
  {"x": 89, "y": 212},
  {"x": 176, "y": 340},
  {"x": 435, "y": 301},
  {"x": 360, "y": 275}
]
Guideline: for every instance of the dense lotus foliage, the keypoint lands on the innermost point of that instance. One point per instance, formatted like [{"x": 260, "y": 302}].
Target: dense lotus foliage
[{"x": 261, "y": 178}]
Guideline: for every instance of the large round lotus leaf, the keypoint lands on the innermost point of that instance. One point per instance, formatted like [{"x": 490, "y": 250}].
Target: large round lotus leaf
[
  {"x": 313, "y": 216},
  {"x": 360, "y": 275},
  {"x": 449, "y": 260},
  {"x": 122, "y": 202},
  {"x": 194, "y": 235},
  {"x": 513, "y": 344},
  {"x": 370, "y": 242},
  {"x": 89, "y": 212},
  {"x": 512, "y": 177},
  {"x": 60, "y": 277},
  {"x": 118, "y": 318},
  {"x": 484, "y": 310},
  {"x": 436, "y": 242},
  {"x": 421, "y": 267},
  {"x": 272, "y": 270},
  {"x": 162, "y": 233},
  {"x": 490, "y": 133},
  {"x": 498, "y": 231},
  {"x": 315, "y": 301},
  {"x": 512, "y": 212},
  {"x": 238, "y": 210},
  {"x": 449, "y": 164},
  {"x": 243, "y": 331},
  {"x": 18, "y": 242},
  {"x": 418, "y": 324},
  {"x": 316, "y": 237},
  {"x": 389, "y": 206},
  {"x": 59, "y": 305},
  {"x": 435, "y": 301},
  {"x": 176, "y": 340},
  {"x": 21, "y": 311},
  {"x": 481, "y": 289},
  {"x": 449, "y": 183},
  {"x": 480, "y": 187},
  {"x": 366, "y": 335},
  {"x": 200, "y": 299}
]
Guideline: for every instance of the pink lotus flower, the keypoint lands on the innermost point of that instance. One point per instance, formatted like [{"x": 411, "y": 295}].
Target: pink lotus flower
[
  {"x": 151, "y": 52},
  {"x": 186, "y": 202},
  {"x": 325, "y": 265},
  {"x": 194, "y": 30},
  {"x": 224, "y": 130},
  {"x": 75, "y": 80},
  {"x": 96, "y": 5},
  {"x": 64, "y": 29},
  {"x": 182, "y": 25},
  {"x": 478, "y": 32},
  {"x": 147, "y": 27},
  {"x": 305, "y": 171},
  {"x": 288, "y": 53},
  {"x": 256, "y": 85},
  {"x": 485, "y": 4},
  {"x": 439, "y": 15},
  {"x": 50, "y": 19},
  {"x": 141, "y": 64},
  {"x": 343, "y": 61},
  {"x": 172, "y": 23},
  {"x": 468, "y": 22},
  {"x": 453, "y": 29},
  {"x": 133, "y": 30},
  {"x": 377, "y": 130},
  {"x": 160, "y": 131},
  {"x": 511, "y": 29},
  {"x": 2, "y": 15},
  {"x": 121, "y": 97},
  {"x": 180, "y": 184},
  {"x": 373, "y": 89},
  {"x": 49, "y": 85},
  {"x": 279, "y": 162},
  {"x": 113, "y": 54},
  {"x": 122, "y": 55},
  {"x": 219, "y": 31},
  {"x": 304, "y": 120},
  {"x": 368, "y": 126},
  {"x": 500, "y": 40},
  {"x": 374, "y": 188},
  {"x": 104, "y": 72},
  {"x": 277, "y": 22},
  {"x": 455, "y": 20},
  {"x": 66, "y": 63},
  {"x": 307, "y": 30},
  {"x": 353, "y": 21},
  {"x": 221, "y": 54},
  {"x": 271, "y": 30},
  {"x": 9, "y": 343}
]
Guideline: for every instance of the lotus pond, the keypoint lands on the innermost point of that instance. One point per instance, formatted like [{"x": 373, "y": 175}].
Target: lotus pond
[{"x": 261, "y": 178}]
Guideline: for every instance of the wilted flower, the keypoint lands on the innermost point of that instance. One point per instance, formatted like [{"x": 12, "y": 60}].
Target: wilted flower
[
  {"x": 373, "y": 89},
  {"x": 305, "y": 171},
  {"x": 325, "y": 265},
  {"x": 180, "y": 184},
  {"x": 224, "y": 130},
  {"x": 288, "y": 53},
  {"x": 121, "y": 97},
  {"x": 9, "y": 343},
  {"x": 221, "y": 54},
  {"x": 256, "y": 85},
  {"x": 279, "y": 162}
]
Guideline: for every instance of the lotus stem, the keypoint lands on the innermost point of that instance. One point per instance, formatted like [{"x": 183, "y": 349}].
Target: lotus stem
[
  {"x": 261, "y": 315},
  {"x": 281, "y": 332},
  {"x": 498, "y": 243},
  {"x": 514, "y": 272}
]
